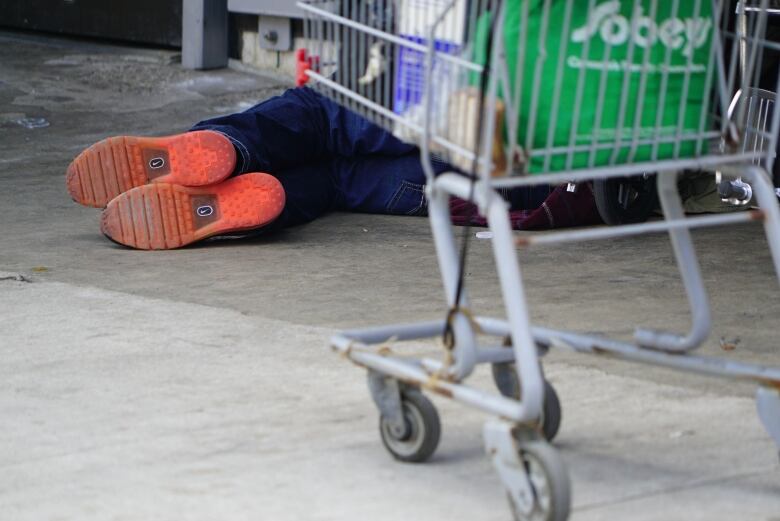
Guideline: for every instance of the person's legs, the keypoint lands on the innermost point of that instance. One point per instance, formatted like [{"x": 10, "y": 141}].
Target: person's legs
[
  {"x": 162, "y": 216},
  {"x": 368, "y": 184},
  {"x": 382, "y": 184},
  {"x": 311, "y": 192},
  {"x": 324, "y": 157},
  {"x": 396, "y": 186},
  {"x": 298, "y": 128}
]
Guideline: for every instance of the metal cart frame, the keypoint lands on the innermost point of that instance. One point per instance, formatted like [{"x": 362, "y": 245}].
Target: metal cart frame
[{"x": 533, "y": 474}]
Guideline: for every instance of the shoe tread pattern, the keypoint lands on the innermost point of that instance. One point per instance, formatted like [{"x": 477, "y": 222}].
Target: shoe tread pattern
[
  {"x": 115, "y": 165},
  {"x": 163, "y": 216}
]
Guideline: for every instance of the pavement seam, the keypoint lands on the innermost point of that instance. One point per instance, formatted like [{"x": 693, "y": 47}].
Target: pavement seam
[{"x": 677, "y": 488}]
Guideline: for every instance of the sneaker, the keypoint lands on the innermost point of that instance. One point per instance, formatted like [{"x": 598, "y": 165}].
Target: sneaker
[
  {"x": 117, "y": 164},
  {"x": 161, "y": 216}
]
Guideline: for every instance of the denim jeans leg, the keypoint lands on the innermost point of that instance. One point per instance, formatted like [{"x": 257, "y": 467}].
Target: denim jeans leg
[
  {"x": 396, "y": 185},
  {"x": 310, "y": 192},
  {"x": 301, "y": 127},
  {"x": 328, "y": 157},
  {"x": 382, "y": 184},
  {"x": 369, "y": 184}
]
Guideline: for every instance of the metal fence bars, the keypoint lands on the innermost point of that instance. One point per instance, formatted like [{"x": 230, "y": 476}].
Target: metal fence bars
[{"x": 522, "y": 92}]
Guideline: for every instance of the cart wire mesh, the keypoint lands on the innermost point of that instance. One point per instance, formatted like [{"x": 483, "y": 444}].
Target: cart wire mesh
[{"x": 574, "y": 84}]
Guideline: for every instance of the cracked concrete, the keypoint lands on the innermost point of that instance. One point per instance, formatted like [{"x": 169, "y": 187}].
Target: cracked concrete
[
  {"x": 17, "y": 277},
  {"x": 197, "y": 384}
]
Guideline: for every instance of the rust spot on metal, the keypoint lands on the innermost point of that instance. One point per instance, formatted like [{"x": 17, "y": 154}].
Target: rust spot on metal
[
  {"x": 600, "y": 351},
  {"x": 732, "y": 136},
  {"x": 757, "y": 215},
  {"x": 409, "y": 383},
  {"x": 766, "y": 382},
  {"x": 523, "y": 240},
  {"x": 444, "y": 392}
]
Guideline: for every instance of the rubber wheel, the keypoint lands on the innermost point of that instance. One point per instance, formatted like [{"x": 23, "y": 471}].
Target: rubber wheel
[
  {"x": 505, "y": 377},
  {"x": 549, "y": 483},
  {"x": 626, "y": 200},
  {"x": 422, "y": 433},
  {"x": 551, "y": 412}
]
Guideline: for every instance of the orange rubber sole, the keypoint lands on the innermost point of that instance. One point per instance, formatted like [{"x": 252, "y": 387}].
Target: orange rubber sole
[
  {"x": 118, "y": 164},
  {"x": 161, "y": 216}
]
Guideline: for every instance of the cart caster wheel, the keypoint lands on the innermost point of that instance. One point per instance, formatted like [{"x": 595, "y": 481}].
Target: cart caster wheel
[
  {"x": 419, "y": 439},
  {"x": 505, "y": 377},
  {"x": 625, "y": 200},
  {"x": 549, "y": 483}
]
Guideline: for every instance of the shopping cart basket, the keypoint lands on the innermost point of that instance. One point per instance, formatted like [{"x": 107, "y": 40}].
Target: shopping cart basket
[
  {"x": 524, "y": 92},
  {"x": 755, "y": 105},
  {"x": 634, "y": 199}
]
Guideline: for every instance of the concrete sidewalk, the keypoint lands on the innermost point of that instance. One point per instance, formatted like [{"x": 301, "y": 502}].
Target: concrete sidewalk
[
  {"x": 113, "y": 411},
  {"x": 197, "y": 384}
]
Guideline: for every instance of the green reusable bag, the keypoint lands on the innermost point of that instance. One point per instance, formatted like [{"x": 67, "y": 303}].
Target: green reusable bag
[{"x": 604, "y": 48}]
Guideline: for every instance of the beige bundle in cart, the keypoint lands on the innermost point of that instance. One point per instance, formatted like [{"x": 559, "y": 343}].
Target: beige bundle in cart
[{"x": 463, "y": 130}]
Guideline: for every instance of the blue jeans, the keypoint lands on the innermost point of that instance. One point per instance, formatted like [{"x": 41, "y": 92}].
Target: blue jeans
[{"x": 328, "y": 158}]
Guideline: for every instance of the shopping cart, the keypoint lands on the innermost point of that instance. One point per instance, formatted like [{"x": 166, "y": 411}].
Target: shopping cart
[
  {"x": 525, "y": 92},
  {"x": 753, "y": 104},
  {"x": 634, "y": 199}
]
